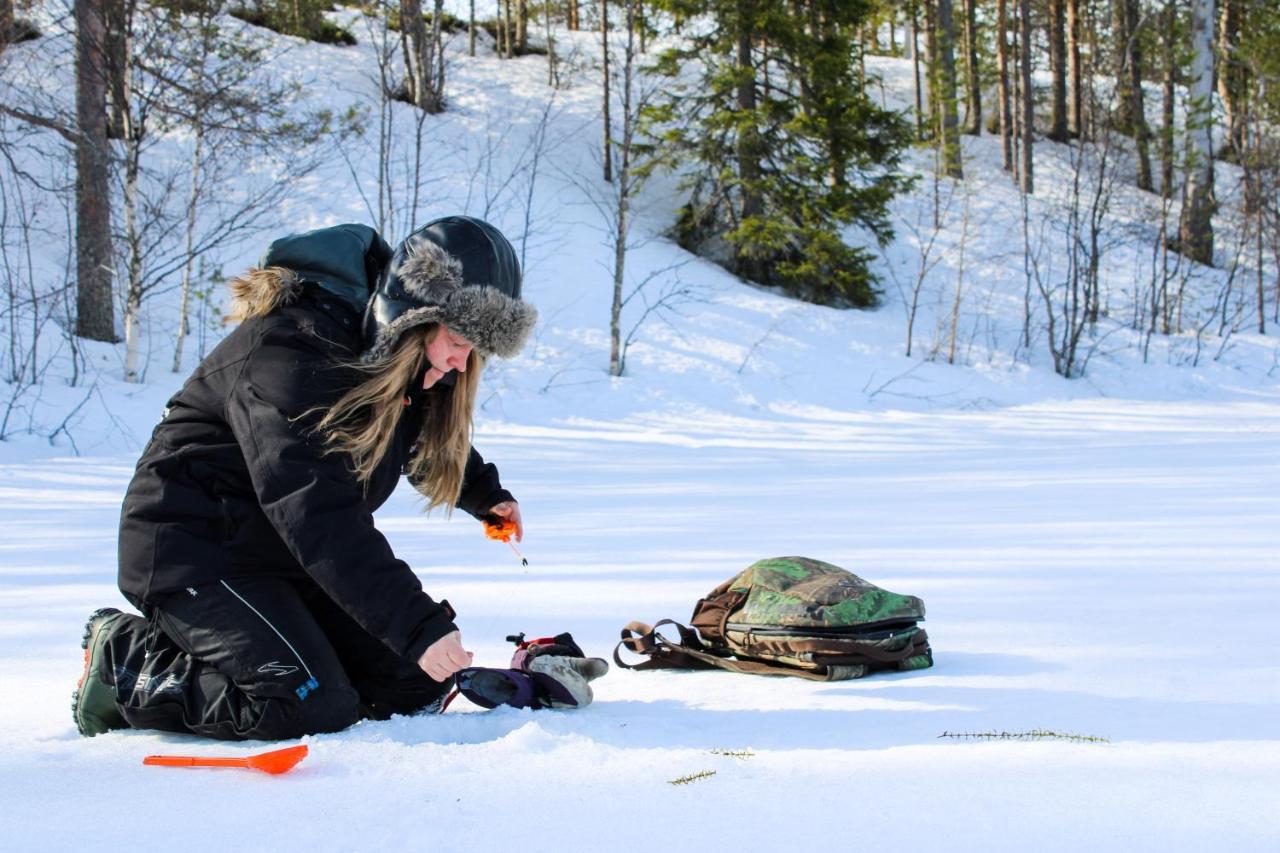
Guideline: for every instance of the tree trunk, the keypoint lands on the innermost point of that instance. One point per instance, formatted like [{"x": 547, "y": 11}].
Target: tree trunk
[
  {"x": 471, "y": 30},
  {"x": 914, "y": 11},
  {"x": 193, "y": 198},
  {"x": 974, "y": 84},
  {"x": 553, "y": 73},
  {"x": 1004, "y": 107},
  {"x": 134, "y": 289},
  {"x": 1058, "y": 67},
  {"x": 748, "y": 143},
  {"x": 1127, "y": 66},
  {"x": 508, "y": 32},
  {"x": 932, "y": 65},
  {"x": 435, "y": 98},
  {"x": 1168, "y": 93},
  {"x": 1141, "y": 133},
  {"x": 1028, "y": 96},
  {"x": 117, "y": 15},
  {"x": 1232, "y": 77},
  {"x": 949, "y": 124},
  {"x": 623, "y": 212},
  {"x": 417, "y": 60},
  {"x": 522, "y": 26},
  {"x": 1196, "y": 229},
  {"x": 604, "y": 54},
  {"x": 95, "y": 318},
  {"x": 1075, "y": 75}
]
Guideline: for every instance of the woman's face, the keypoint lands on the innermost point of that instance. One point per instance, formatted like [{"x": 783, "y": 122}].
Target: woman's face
[{"x": 446, "y": 351}]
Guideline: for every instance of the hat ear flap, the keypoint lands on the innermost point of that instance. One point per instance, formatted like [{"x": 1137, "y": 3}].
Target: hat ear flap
[{"x": 428, "y": 273}]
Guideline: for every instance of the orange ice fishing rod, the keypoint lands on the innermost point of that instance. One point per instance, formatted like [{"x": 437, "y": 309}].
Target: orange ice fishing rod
[
  {"x": 274, "y": 762},
  {"x": 501, "y": 530}
]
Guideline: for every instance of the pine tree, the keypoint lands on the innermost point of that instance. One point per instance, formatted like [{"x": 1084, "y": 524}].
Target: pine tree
[{"x": 780, "y": 146}]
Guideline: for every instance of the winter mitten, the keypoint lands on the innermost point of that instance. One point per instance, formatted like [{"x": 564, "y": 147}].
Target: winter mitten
[
  {"x": 552, "y": 672},
  {"x": 562, "y": 675}
]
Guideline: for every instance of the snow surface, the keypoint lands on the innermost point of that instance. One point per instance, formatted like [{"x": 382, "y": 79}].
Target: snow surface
[{"x": 1098, "y": 556}]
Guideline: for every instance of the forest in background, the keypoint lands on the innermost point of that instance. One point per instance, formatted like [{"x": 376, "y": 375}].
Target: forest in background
[{"x": 763, "y": 109}]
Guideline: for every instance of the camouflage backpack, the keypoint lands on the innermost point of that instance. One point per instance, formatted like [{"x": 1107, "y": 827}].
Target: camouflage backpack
[{"x": 790, "y": 616}]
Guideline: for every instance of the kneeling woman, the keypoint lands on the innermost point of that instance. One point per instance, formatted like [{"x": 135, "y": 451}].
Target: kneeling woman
[{"x": 272, "y": 605}]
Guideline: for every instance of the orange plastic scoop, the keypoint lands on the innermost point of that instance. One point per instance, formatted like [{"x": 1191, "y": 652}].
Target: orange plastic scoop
[{"x": 274, "y": 762}]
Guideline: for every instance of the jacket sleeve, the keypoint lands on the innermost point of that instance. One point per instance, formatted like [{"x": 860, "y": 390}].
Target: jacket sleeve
[
  {"x": 481, "y": 488},
  {"x": 314, "y": 500}
]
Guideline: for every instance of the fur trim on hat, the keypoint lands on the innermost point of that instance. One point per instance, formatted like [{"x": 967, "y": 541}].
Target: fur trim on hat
[
  {"x": 493, "y": 322},
  {"x": 391, "y": 333},
  {"x": 429, "y": 273},
  {"x": 260, "y": 291}
]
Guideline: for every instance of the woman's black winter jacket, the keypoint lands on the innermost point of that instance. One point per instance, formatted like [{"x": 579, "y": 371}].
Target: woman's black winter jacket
[{"x": 233, "y": 482}]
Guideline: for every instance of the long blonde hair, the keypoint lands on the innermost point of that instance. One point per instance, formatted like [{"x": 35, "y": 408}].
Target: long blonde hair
[{"x": 363, "y": 421}]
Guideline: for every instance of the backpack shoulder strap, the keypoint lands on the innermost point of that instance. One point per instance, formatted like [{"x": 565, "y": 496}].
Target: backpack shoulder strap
[{"x": 691, "y": 653}]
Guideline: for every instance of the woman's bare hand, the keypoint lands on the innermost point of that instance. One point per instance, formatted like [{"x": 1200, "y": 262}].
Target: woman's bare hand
[
  {"x": 444, "y": 657},
  {"x": 510, "y": 511}
]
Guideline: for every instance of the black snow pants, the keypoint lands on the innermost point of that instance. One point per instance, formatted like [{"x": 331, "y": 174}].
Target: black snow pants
[{"x": 263, "y": 658}]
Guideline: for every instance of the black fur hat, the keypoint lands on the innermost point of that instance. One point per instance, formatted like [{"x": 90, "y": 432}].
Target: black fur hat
[{"x": 459, "y": 271}]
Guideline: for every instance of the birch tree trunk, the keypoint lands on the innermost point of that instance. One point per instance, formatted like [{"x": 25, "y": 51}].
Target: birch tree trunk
[
  {"x": 1075, "y": 75},
  {"x": 471, "y": 30},
  {"x": 193, "y": 197},
  {"x": 134, "y": 287},
  {"x": 1196, "y": 229},
  {"x": 622, "y": 219},
  {"x": 95, "y": 317}
]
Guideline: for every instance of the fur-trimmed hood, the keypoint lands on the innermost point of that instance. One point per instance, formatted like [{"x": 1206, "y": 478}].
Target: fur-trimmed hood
[{"x": 458, "y": 271}]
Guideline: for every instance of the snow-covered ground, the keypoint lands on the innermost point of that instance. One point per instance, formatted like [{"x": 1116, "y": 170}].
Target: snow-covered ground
[
  {"x": 1104, "y": 568},
  {"x": 1098, "y": 556}
]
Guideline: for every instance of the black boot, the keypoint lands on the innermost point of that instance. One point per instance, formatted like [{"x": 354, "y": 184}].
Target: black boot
[{"x": 93, "y": 705}]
